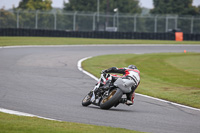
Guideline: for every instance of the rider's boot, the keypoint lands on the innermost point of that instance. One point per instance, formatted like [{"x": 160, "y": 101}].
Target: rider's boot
[
  {"x": 130, "y": 99},
  {"x": 129, "y": 102}
]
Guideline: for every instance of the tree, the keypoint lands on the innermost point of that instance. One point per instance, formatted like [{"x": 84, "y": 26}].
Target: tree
[
  {"x": 198, "y": 10},
  {"x": 124, "y": 6},
  {"x": 81, "y": 5},
  {"x": 106, "y": 6},
  {"x": 35, "y": 4},
  {"x": 181, "y": 7},
  {"x": 26, "y": 18},
  {"x": 7, "y": 19}
]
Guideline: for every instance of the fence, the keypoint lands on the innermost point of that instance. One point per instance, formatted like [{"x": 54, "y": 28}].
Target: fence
[
  {"x": 81, "y": 21},
  {"x": 94, "y": 34}
]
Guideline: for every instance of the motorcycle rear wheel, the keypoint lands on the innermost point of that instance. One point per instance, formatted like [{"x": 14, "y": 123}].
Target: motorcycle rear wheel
[
  {"x": 112, "y": 99},
  {"x": 86, "y": 100}
]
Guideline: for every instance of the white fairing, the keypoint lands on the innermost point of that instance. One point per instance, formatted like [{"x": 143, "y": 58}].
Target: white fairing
[{"x": 124, "y": 84}]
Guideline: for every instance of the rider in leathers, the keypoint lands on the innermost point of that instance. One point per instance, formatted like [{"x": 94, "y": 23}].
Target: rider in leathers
[{"x": 131, "y": 73}]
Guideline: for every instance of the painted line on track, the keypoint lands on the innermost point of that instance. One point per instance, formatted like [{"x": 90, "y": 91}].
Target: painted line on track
[
  {"x": 82, "y": 70},
  {"x": 24, "y": 114},
  {"x": 161, "y": 100},
  {"x": 102, "y": 45}
]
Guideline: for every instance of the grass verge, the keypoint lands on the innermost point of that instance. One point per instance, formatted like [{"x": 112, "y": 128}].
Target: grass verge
[
  {"x": 19, "y": 41},
  {"x": 171, "y": 76},
  {"x": 21, "y": 124}
]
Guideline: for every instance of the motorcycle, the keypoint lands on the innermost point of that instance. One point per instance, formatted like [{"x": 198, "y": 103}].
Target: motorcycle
[{"x": 107, "y": 94}]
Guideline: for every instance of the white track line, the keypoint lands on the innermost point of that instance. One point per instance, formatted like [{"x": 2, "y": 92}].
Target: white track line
[
  {"x": 23, "y": 114},
  {"x": 101, "y": 45},
  {"x": 92, "y": 76},
  {"x": 81, "y": 69}
]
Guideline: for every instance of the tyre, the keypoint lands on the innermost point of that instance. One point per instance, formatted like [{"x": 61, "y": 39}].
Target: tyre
[
  {"x": 112, "y": 99},
  {"x": 86, "y": 100}
]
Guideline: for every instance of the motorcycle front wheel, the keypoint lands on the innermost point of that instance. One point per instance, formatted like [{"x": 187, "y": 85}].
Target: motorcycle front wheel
[
  {"x": 86, "y": 100},
  {"x": 112, "y": 99}
]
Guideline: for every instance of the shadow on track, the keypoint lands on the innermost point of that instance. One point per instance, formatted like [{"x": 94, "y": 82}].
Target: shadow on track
[{"x": 112, "y": 109}]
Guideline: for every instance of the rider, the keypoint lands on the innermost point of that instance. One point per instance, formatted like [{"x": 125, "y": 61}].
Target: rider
[{"x": 132, "y": 73}]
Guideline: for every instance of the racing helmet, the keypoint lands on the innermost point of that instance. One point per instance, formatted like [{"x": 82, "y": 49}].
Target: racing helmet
[{"x": 132, "y": 67}]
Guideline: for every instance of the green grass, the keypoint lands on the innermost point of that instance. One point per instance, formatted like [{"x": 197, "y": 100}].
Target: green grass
[
  {"x": 20, "y": 124},
  {"x": 16, "y": 41},
  {"x": 171, "y": 76}
]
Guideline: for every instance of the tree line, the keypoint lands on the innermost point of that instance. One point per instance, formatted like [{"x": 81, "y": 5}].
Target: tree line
[
  {"x": 180, "y": 7},
  {"x": 45, "y": 20}
]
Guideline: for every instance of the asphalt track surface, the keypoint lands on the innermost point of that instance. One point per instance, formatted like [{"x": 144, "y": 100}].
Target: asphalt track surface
[{"x": 45, "y": 81}]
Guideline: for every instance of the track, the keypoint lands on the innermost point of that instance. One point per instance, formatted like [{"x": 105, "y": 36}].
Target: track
[{"x": 45, "y": 81}]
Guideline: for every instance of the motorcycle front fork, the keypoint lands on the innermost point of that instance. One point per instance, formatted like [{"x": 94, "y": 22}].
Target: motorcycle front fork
[
  {"x": 99, "y": 84},
  {"x": 93, "y": 92}
]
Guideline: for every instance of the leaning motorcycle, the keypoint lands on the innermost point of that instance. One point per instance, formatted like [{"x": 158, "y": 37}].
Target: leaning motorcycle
[{"x": 108, "y": 94}]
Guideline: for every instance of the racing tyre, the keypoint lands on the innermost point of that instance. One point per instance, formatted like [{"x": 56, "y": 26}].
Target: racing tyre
[
  {"x": 86, "y": 100},
  {"x": 112, "y": 99}
]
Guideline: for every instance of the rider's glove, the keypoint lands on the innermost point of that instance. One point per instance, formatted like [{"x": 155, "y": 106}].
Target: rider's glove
[{"x": 103, "y": 71}]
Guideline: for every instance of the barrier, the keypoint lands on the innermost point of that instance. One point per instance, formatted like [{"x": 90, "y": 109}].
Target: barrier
[
  {"x": 179, "y": 36},
  {"x": 96, "y": 34}
]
